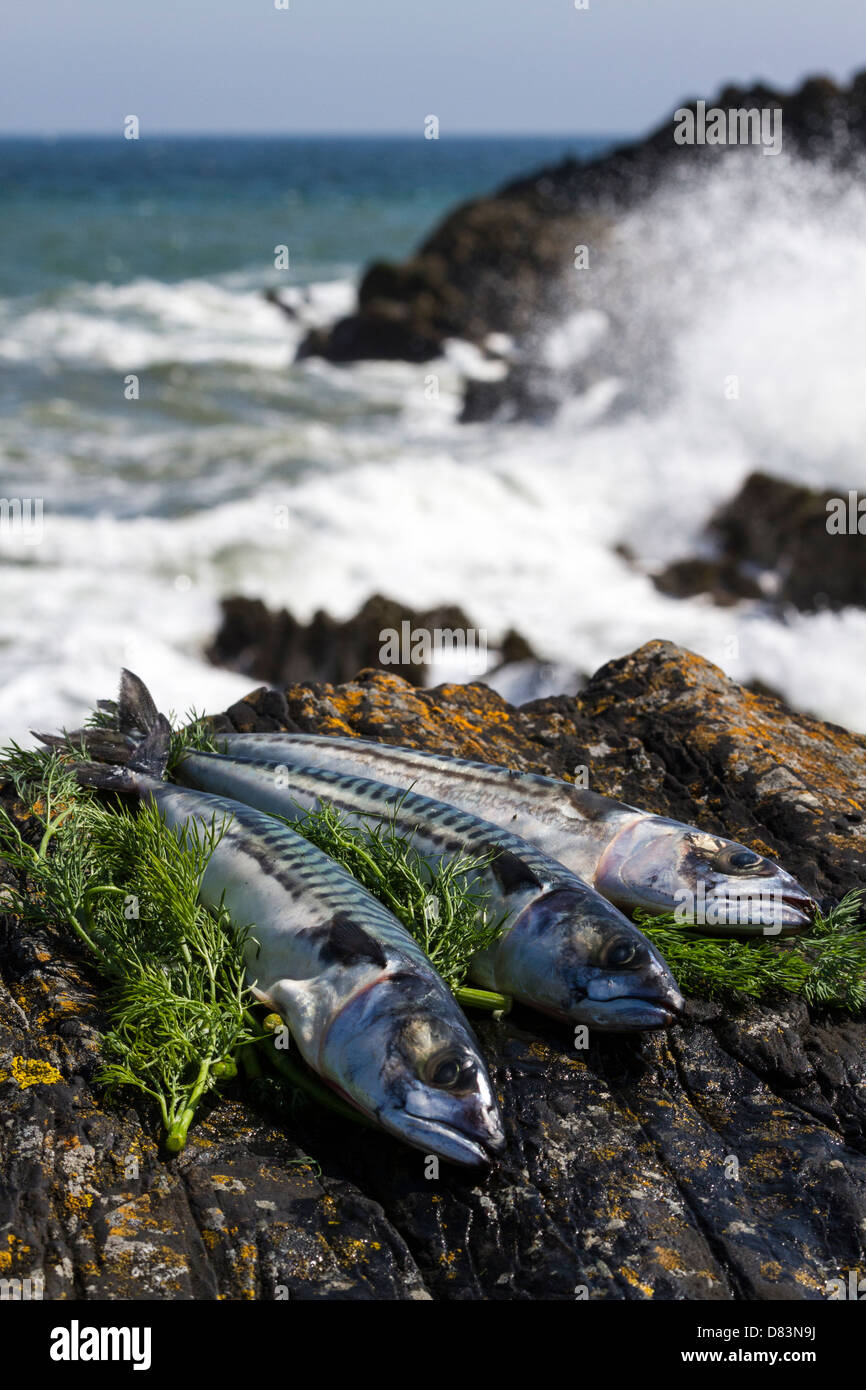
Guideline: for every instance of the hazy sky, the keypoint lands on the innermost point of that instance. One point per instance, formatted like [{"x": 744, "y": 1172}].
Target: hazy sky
[{"x": 359, "y": 66}]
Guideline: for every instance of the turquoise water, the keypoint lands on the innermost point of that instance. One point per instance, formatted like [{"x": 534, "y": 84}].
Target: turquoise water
[{"x": 97, "y": 209}]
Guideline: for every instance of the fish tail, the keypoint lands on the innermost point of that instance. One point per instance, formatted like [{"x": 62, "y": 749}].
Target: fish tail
[
  {"x": 138, "y": 748},
  {"x": 135, "y": 711}
]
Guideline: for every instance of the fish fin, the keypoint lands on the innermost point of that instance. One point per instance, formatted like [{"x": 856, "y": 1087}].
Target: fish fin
[
  {"x": 151, "y": 755},
  {"x": 118, "y": 762},
  {"x": 513, "y": 873},
  {"x": 104, "y": 745},
  {"x": 263, "y": 998},
  {"x": 106, "y": 777},
  {"x": 136, "y": 711},
  {"x": 52, "y": 740}
]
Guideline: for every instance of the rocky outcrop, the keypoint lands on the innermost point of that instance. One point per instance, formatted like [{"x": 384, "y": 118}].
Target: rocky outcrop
[
  {"x": 276, "y": 647},
  {"x": 783, "y": 543},
  {"x": 496, "y": 264},
  {"x": 725, "y": 1160}
]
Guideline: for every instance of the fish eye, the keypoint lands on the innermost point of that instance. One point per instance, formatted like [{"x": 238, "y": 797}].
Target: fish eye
[
  {"x": 621, "y": 953},
  {"x": 447, "y": 1070},
  {"x": 739, "y": 861}
]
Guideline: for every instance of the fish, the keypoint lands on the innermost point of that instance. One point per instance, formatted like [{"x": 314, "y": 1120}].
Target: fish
[
  {"x": 367, "y": 1010},
  {"x": 563, "y": 949},
  {"x": 635, "y": 859}
]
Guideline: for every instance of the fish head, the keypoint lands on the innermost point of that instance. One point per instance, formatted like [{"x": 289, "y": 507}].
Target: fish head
[
  {"x": 662, "y": 866},
  {"x": 573, "y": 955},
  {"x": 402, "y": 1052}
]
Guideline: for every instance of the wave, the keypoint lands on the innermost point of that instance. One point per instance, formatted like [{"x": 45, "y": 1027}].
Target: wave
[{"x": 131, "y": 327}]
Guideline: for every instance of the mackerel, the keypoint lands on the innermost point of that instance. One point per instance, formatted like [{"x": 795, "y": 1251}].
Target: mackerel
[
  {"x": 562, "y": 949},
  {"x": 634, "y": 858},
  {"x": 367, "y": 1010}
]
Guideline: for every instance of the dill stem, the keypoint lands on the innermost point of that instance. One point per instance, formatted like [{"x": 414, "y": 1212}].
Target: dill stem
[
  {"x": 483, "y": 999},
  {"x": 85, "y": 933},
  {"x": 51, "y": 827},
  {"x": 177, "y": 1134},
  {"x": 249, "y": 1061}
]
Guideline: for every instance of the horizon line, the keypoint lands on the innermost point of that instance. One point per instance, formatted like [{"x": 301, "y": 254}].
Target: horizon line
[{"x": 318, "y": 135}]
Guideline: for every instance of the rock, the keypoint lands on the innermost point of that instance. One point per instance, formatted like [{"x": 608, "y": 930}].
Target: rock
[
  {"x": 497, "y": 264},
  {"x": 524, "y": 394},
  {"x": 725, "y": 1160},
  {"x": 386, "y": 336},
  {"x": 722, "y": 579},
  {"x": 276, "y": 647},
  {"x": 515, "y": 647},
  {"x": 772, "y": 542}
]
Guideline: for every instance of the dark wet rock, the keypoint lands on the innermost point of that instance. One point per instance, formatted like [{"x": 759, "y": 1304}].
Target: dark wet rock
[
  {"x": 497, "y": 264},
  {"x": 284, "y": 305},
  {"x": 276, "y": 647},
  {"x": 721, "y": 578},
  {"x": 523, "y": 394},
  {"x": 386, "y": 336},
  {"x": 772, "y": 541},
  {"x": 724, "y": 1160},
  {"x": 514, "y": 647}
]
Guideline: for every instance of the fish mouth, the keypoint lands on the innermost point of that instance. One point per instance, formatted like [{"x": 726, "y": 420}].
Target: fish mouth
[
  {"x": 455, "y": 1144},
  {"x": 779, "y": 914},
  {"x": 623, "y": 1013},
  {"x": 799, "y": 909},
  {"x": 629, "y": 1013}
]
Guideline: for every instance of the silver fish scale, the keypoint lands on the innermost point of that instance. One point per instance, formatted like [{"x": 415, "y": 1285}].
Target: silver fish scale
[
  {"x": 571, "y": 824},
  {"x": 543, "y": 793},
  {"x": 304, "y": 873},
  {"x": 442, "y": 826},
  {"x": 401, "y": 759}
]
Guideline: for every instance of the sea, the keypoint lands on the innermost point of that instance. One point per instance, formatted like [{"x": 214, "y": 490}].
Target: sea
[{"x": 164, "y": 449}]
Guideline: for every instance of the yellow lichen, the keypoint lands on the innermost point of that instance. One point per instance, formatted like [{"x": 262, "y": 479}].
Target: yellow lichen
[
  {"x": 28, "y": 1071},
  {"x": 636, "y": 1283}
]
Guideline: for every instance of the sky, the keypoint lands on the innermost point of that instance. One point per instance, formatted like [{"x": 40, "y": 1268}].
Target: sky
[{"x": 382, "y": 66}]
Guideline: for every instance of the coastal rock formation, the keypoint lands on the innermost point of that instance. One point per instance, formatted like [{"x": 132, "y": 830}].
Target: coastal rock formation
[
  {"x": 496, "y": 264},
  {"x": 276, "y": 647},
  {"x": 781, "y": 542},
  {"x": 726, "y": 1159}
]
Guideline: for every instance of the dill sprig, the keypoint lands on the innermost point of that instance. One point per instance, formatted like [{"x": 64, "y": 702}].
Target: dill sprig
[
  {"x": 128, "y": 886},
  {"x": 826, "y": 965},
  {"x": 196, "y": 735},
  {"x": 438, "y": 906}
]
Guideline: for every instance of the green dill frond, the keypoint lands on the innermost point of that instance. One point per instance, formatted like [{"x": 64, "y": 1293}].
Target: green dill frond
[
  {"x": 101, "y": 719},
  {"x": 439, "y": 907},
  {"x": 128, "y": 887},
  {"x": 194, "y": 736},
  {"x": 826, "y": 965},
  {"x": 26, "y": 767}
]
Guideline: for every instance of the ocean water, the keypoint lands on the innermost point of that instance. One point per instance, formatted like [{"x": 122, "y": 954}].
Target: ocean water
[{"x": 313, "y": 486}]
